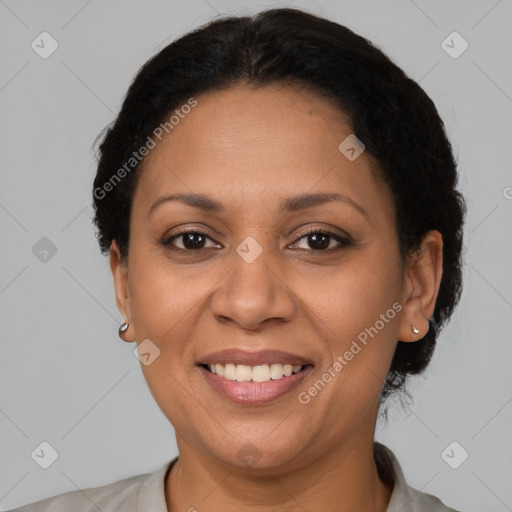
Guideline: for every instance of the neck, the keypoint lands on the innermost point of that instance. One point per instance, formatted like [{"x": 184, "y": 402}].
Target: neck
[{"x": 342, "y": 480}]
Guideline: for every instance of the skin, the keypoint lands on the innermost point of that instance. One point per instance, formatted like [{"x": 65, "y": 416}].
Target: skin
[{"x": 249, "y": 148}]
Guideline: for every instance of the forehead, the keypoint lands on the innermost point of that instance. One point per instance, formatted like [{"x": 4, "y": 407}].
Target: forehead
[{"x": 245, "y": 144}]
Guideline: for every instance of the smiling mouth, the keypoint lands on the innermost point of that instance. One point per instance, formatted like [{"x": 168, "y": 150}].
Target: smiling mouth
[{"x": 258, "y": 373}]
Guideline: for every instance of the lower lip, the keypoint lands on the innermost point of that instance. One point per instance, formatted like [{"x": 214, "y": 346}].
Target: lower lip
[{"x": 254, "y": 392}]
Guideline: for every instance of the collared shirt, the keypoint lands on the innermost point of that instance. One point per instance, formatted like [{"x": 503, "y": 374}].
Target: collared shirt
[{"x": 146, "y": 493}]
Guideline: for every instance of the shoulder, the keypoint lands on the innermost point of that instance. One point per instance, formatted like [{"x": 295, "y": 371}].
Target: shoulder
[
  {"x": 404, "y": 498},
  {"x": 422, "y": 501},
  {"x": 121, "y": 495},
  {"x": 127, "y": 495}
]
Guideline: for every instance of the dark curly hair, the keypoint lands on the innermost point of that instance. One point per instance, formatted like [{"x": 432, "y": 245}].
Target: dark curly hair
[{"x": 390, "y": 112}]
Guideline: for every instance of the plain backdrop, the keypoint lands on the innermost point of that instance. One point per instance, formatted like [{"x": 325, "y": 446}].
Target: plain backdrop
[{"x": 67, "y": 379}]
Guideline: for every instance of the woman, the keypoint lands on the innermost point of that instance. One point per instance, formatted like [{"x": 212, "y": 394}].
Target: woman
[{"x": 279, "y": 204}]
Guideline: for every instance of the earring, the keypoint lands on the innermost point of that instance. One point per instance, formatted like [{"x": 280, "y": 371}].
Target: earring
[
  {"x": 122, "y": 329},
  {"x": 415, "y": 330}
]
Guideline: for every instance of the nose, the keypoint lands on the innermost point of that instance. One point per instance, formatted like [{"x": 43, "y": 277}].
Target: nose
[{"x": 253, "y": 293}]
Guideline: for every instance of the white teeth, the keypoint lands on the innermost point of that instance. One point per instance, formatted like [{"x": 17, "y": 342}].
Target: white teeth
[
  {"x": 243, "y": 372},
  {"x": 276, "y": 371},
  {"x": 230, "y": 372},
  {"x": 260, "y": 373}
]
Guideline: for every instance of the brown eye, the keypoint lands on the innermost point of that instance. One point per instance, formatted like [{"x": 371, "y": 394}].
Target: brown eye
[
  {"x": 190, "y": 240},
  {"x": 319, "y": 240}
]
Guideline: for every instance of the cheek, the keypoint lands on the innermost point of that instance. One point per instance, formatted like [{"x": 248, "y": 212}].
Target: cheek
[
  {"x": 357, "y": 310},
  {"x": 160, "y": 298},
  {"x": 353, "y": 296},
  {"x": 164, "y": 310}
]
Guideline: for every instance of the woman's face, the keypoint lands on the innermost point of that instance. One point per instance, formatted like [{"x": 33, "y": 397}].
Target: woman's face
[{"x": 251, "y": 279}]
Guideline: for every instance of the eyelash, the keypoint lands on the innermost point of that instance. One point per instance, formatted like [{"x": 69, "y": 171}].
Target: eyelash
[{"x": 344, "y": 242}]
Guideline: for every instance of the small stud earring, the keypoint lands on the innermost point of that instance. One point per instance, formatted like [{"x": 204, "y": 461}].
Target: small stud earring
[
  {"x": 123, "y": 329},
  {"x": 415, "y": 330}
]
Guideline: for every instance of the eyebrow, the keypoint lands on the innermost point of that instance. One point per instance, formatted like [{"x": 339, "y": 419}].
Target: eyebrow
[{"x": 290, "y": 204}]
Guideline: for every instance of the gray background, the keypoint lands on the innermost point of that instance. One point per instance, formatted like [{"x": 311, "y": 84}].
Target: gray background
[{"x": 65, "y": 376}]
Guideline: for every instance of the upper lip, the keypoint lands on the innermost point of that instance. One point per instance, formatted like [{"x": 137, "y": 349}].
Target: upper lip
[{"x": 236, "y": 356}]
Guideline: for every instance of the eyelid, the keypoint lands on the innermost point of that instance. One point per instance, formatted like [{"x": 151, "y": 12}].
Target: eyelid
[
  {"x": 334, "y": 232},
  {"x": 193, "y": 229},
  {"x": 343, "y": 239},
  {"x": 168, "y": 240}
]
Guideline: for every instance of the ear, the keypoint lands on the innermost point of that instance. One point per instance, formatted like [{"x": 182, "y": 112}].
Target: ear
[
  {"x": 422, "y": 279},
  {"x": 119, "y": 270}
]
